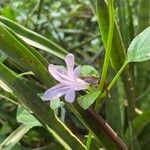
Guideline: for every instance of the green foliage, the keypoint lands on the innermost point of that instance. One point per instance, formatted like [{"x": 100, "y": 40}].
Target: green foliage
[
  {"x": 88, "y": 99},
  {"x": 14, "y": 137},
  {"x": 24, "y": 117},
  {"x": 88, "y": 71},
  {"x": 36, "y": 33},
  {"x": 139, "y": 49}
]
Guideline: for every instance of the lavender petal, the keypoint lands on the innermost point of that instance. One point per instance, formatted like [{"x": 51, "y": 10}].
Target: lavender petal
[
  {"x": 70, "y": 96},
  {"x": 59, "y": 74},
  {"x": 56, "y": 92},
  {"x": 81, "y": 84},
  {"x": 77, "y": 71},
  {"x": 69, "y": 59}
]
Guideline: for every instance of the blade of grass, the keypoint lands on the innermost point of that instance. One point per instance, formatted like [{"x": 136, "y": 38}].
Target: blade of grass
[
  {"x": 20, "y": 54},
  {"x": 14, "y": 137},
  {"x": 123, "y": 21},
  {"x": 34, "y": 38}
]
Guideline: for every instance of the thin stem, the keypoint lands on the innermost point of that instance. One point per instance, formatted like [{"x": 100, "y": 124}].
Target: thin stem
[
  {"x": 109, "y": 43},
  {"x": 89, "y": 139},
  {"x": 110, "y": 85},
  {"x": 117, "y": 75},
  {"x": 115, "y": 78},
  {"x": 107, "y": 54}
]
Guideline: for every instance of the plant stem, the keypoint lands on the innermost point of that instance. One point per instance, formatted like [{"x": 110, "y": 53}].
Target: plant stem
[
  {"x": 115, "y": 78},
  {"x": 108, "y": 130},
  {"x": 89, "y": 139},
  {"x": 110, "y": 85},
  {"x": 117, "y": 75},
  {"x": 109, "y": 43},
  {"x": 108, "y": 49}
]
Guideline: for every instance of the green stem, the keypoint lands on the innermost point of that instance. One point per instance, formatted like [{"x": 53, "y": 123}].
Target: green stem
[
  {"x": 115, "y": 78},
  {"x": 110, "y": 85},
  {"x": 108, "y": 49},
  {"x": 109, "y": 43},
  {"x": 89, "y": 139},
  {"x": 117, "y": 75}
]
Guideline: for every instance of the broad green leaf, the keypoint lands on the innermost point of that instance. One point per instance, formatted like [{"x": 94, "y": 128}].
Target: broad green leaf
[
  {"x": 34, "y": 39},
  {"x": 88, "y": 71},
  {"x": 24, "y": 117},
  {"x": 14, "y": 137},
  {"x": 139, "y": 49},
  {"x": 142, "y": 69},
  {"x": 28, "y": 98},
  {"x": 88, "y": 99}
]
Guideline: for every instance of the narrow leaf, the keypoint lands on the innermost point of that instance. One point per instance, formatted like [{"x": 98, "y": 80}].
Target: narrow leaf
[
  {"x": 34, "y": 39},
  {"x": 23, "y": 55},
  {"x": 14, "y": 137}
]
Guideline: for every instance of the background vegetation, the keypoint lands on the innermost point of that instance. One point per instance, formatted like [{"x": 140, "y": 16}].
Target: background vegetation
[{"x": 54, "y": 28}]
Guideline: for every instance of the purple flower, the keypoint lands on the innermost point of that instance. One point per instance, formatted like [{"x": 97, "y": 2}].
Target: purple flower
[{"x": 69, "y": 81}]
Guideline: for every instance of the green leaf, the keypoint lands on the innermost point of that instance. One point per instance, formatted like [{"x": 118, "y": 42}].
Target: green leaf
[
  {"x": 3, "y": 57},
  {"x": 140, "y": 122},
  {"x": 55, "y": 104},
  {"x": 88, "y": 71},
  {"x": 34, "y": 39},
  {"x": 23, "y": 116},
  {"x": 139, "y": 49},
  {"x": 88, "y": 99},
  {"x": 25, "y": 56},
  {"x": 14, "y": 137},
  {"x": 5, "y": 87},
  {"x": 133, "y": 141},
  {"x": 117, "y": 55}
]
